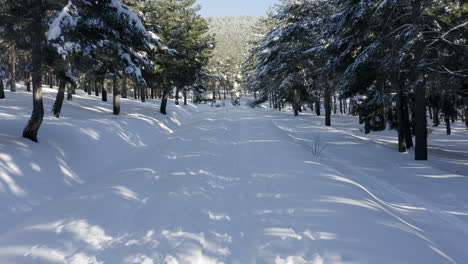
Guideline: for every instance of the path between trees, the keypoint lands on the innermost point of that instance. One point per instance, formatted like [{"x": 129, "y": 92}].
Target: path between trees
[{"x": 242, "y": 186}]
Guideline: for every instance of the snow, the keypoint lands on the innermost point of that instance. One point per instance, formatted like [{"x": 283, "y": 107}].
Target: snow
[
  {"x": 223, "y": 185},
  {"x": 63, "y": 20}
]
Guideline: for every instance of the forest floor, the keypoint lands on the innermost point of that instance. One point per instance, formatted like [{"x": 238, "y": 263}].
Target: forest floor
[{"x": 223, "y": 185}]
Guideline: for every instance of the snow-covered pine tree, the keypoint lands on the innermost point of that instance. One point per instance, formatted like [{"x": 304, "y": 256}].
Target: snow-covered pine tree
[{"x": 103, "y": 37}]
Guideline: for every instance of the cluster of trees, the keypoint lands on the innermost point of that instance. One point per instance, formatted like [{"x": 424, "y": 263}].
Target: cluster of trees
[
  {"x": 234, "y": 38},
  {"x": 149, "y": 47},
  {"x": 391, "y": 61}
]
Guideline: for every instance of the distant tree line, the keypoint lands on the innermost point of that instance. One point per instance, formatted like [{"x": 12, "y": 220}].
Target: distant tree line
[
  {"x": 394, "y": 63},
  {"x": 139, "y": 48}
]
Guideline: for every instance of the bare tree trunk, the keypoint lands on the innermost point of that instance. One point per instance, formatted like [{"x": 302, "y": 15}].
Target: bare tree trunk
[
  {"x": 466, "y": 113},
  {"x": 33, "y": 125},
  {"x": 2, "y": 91},
  {"x": 116, "y": 96},
  {"x": 447, "y": 124},
  {"x": 142, "y": 93},
  {"x": 420, "y": 121},
  {"x": 103, "y": 90},
  {"x": 401, "y": 130},
  {"x": 177, "y": 96},
  {"x": 164, "y": 102},
  {"x": 124, "y": 87},
  {"x": 296, "y": 103},
  {"x": 57, "y": 108},
  {"x": 12, "y": 70},
  {"x": 317, "y": 106},
  {"x": 341, "y": 106},
  {"x": 185, "y": 96},
  {"x": 28, "y": 82},
  {"x": 334, "y": 105},
  {"x": 96, "y": 86},
  {"x": 69, "y": 92},
  {"x": 328, "y": 109}
]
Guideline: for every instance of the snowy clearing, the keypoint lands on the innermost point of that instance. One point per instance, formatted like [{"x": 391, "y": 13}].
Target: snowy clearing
[{"x": 223, "y": 185}]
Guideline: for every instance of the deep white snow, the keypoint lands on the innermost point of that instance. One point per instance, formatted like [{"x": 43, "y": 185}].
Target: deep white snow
[{"x": 223, "y": 185}]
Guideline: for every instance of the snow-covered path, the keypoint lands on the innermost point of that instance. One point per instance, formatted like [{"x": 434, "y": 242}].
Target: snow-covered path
[{"x": 243, "y": 186}]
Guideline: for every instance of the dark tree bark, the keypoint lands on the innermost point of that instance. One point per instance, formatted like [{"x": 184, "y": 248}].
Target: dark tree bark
[
  {"x": 2, "y": 91},
  {"x": 436, "y": 116},
  {"x": 430, "y": 112},
  {"x": 142, "y": 93},
  {"x": 317, "y": 106},
  {"x": 69, "y": 92},
  {"x": 96, "y": 88},
  {"x": 28, "y": 82},
  {"x": 296, "y": 103},
  {"x": 164, "y": 102},
  {"x": 420, "y": 121},
  {"x": 12, "y": 71},
  {"x": 177, "y": 96},
  {"x": 341, "y": 106},
  {"x": 124, "y": 87},
  {"x": 405, "y": 140},
  {"x": 328, "y": 109},
  {"x": 185, "y": 97},
  {"x": 103, "y": 91},
  {"x": 401, "y": 130},
  {"x": 34, "y": 123},
  {"x": 447, "y": 125},
  {"x": 116, "y": 96},
  {"x": 152, "y": 93},
  {"x": 214, "y": 94},
  {"x": 57, "y": 108},
  {"x": 334, "y": 105},
  {"x": 88, "y": 84}
]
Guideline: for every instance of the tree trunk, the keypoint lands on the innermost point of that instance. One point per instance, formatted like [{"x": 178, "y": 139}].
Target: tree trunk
[
  {"x": 436, "y": 121},
  {"x": 124, "y": 87},
  {"x": 224, "y": 91},
  {"x": 12, "y": 70},
  {"x": 69, "y": 93},
  {"x": 317, "y": 106},
  {"x": 401, "y": 130},
  {"x": 32, "y": 128},
  {"x": 96, "y": 87},
  {"x": 430, "y": 112},
  {"x": 152, "y": 93},
  {"x": 28, "y": 82},
  {"x": 447, "y": 125},
  {"x": 57, "y": 108},
  {"x": 466, "y": 113},
  {"x": 142, "y": 93},
  {"x": 296, "y": 103},
  {"x": 177, "y": 96},
  {"x": 328, "y": 109},
  {"x": 164, "y": 102},
  {"x": 214, "y": 93},
  {"x": 116, "y": 96},
  {"x": 185, "y": 97},
  {"x": 404, "y": 127},
  {"x": 341, "y": 106},
  {"x": 2, "y": 91},
  {"x": 103, "y": 91},
  {"x": 334, "y": 105},
  {"x": 420, "y": 121}
]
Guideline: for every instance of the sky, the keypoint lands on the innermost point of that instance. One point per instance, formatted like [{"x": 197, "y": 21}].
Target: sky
[{"x": 235, "y": 7}]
